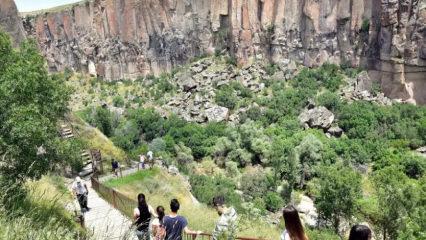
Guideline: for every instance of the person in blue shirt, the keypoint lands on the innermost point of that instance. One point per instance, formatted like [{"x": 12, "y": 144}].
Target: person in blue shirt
[{"x": 175, "y": 224}]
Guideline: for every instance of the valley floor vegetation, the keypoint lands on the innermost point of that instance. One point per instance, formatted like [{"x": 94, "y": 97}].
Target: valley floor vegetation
[
  {"x": 267, "y": 159},
  {"x": 262, "y": 162}
]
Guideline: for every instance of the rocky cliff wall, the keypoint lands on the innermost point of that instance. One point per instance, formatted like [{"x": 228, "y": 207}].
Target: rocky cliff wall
[
  {"x": 397, "y": 48},
  {"x": 129, "y": 38},
  {"x": 10, "y": 21}
]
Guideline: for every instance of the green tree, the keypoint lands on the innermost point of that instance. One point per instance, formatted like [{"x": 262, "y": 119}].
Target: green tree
[
  {"x": 31, "y": 102},
  {"x": 338, "y": 190},
  {"x": 103, "y": 120},
  {"x": 273, "y": 201},
  {"x": 308, "y": 153},
  {"x": 398, "y": 198}
]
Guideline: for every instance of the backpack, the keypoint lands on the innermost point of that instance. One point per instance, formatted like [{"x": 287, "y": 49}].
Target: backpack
[{"x": 161, "y": 233}]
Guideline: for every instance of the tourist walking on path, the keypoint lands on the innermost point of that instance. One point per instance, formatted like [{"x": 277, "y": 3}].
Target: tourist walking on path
[
  {"x": 360, "y": 232},
  {"x": 227, "y": 222},
  {"x": 142, "y": 216},
  {"x": 142, "y": 161},
  {"x": 115, "y": 166},
  {"x": 150, "y": 156},
  {"x": 175, "y": 224},
  {"x": 80, "y": 191},
  {"x": 158, "y": 229},
  {"x": 293, "y": 226}
]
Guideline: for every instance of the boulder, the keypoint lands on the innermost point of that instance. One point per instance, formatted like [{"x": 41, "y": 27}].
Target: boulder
[
  {"x": 307, "y": 211},
  {"x": 189, "y": 85},
  {"x": 335, "y": 131},
  {"x": 92, "y": 69},
  {"x": 318, "y": 117},
  {"x": 217, "y": 114},
  {"x": 363, "y": 82},
  {"x": 173, "y": 170},
  {"x": 421, "y": 149}
]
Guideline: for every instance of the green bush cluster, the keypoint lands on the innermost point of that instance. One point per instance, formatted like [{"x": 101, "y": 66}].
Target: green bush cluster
[{"x": 206, "y": 187}]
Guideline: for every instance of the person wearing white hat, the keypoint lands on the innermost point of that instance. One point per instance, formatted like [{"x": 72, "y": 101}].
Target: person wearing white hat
[{"x": 80, "y": 191}]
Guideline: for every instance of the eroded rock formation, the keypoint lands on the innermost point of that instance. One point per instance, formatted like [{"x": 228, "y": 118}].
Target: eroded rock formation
[
  {"x": 118, "y": 39},
  {"x": 129, "y": 38},
  {"x": 397, "y": 48},
  {"x": 10, "y": 21}
]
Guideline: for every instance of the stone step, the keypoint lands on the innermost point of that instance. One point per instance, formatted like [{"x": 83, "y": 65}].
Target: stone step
[
  {"x": 66, "y": 131},
  {"x": 85, "y": 153},
  {"x": 69, "y": 136}
]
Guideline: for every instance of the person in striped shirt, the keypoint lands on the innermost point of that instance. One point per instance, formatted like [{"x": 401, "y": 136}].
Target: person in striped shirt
[{"x": 227, "y": 222}]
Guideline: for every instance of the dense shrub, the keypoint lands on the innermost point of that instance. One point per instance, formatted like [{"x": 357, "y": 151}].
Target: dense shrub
[
  {"x": 206, "y": 187},
  {"x": 226, "y": 97},
  {"x": 103, "y": 120},
  {"x": 273, "y": 201},
  {"x": 157, "y": 145},
  {"x": 126, "y": 135},
  {"x": 254, "y": 183},
  {"x": 329, "y": 100},
  {"x": 149, "y": 122},
  {"x": 118, "y": 101}
]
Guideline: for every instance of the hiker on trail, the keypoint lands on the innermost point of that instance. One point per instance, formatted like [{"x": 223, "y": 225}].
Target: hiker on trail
[
  {"x": 293, "y": 226},
  {"x": 80, "y": 191},
  {"x": 360, "y": 232},
  {"x": 150, "y": 156},
  {"x": 142, "y": 161},
  {"x": 142, "y": 216},
  {"x": 176, "y": 224},
  {"x": 227, "y": 223},
  {"x": 158, "y": 229},
  {"x": 115, "y": 166}
]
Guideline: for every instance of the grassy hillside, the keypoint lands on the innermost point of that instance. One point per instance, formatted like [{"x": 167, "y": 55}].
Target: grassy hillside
[
  {"x": 160, "y": 187},
  {"x": 41, "y": 215},
  {"x": 95, "y": 139}
]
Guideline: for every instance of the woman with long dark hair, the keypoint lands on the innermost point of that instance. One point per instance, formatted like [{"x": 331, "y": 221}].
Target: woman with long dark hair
[
  {"x": 360, "y": 232},
  {"x": 142, "y": 216},
  {"x": 158, "y": 230},
  {"x": 293, "y": 226}
]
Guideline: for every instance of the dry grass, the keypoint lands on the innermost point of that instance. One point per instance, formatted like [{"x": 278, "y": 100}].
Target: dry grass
[
  {"x": 41, "y": 215},
  {"x": 96, "y": 140}
]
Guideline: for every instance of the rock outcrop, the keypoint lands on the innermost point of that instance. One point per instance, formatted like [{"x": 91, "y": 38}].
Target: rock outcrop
[
  {"x": 125, "y": 39},
  {"x": 318, "y": 117},
  {"x": 10, "y": 21},
  {"x": 129, "y": 38},
  {"x": 396, "y": 53}
]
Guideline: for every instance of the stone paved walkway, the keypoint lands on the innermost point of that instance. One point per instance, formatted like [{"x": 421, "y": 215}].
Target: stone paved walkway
[{"x": 103, "y": 221}]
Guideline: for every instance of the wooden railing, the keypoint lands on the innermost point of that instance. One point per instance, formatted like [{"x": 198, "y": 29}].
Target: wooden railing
[
  {"x": 120, "y": 201},
  {"x": 206, "y": 236},
  {"x": 126, "y": 205}
]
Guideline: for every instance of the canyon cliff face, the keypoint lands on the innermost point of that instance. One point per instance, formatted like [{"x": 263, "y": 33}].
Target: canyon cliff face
[
  {"x": 129, "y": 38},
  {"x": 10, "y": 21},
  {"x": 117, "y": 39}
]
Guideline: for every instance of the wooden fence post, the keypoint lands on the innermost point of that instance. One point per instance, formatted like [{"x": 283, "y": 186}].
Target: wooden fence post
[{"x": 114, "y": 202}]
